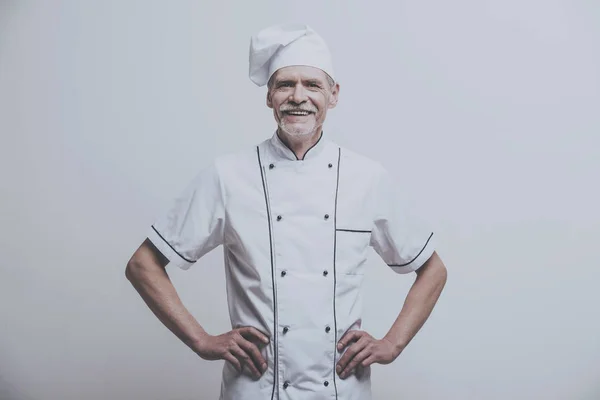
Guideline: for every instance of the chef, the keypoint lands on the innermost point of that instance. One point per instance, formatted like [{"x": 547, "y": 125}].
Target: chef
[{"x": 295, "y": 216}]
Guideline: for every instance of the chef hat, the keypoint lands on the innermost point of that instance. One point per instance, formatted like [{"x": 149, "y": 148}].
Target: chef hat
[{"x": 283, "y": 45}]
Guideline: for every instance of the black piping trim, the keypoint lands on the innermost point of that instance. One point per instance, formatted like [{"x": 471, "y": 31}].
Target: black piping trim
[
  {"x": 311, "y": 147},
  {"x": 172, "y": 248},
  {"x": 352, "y": 230},
  {"x": 337, "y": 185},
  {"x": 276, "y": 366},
  {"x": 417, "y": 256}
]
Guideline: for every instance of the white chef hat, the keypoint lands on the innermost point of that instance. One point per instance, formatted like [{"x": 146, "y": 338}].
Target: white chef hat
[{"x": 284, "y": 45}]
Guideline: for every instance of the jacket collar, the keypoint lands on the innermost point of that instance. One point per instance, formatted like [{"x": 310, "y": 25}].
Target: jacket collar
[{"x": 281, "y": 150}]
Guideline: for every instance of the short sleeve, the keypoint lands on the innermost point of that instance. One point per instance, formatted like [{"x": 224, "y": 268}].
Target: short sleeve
[
  {"x": 193, "y": 224},
  {"x": 401, "y": 241}
]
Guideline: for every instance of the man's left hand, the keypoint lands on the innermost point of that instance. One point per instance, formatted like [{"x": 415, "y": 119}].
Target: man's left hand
[{"x": 364, "y": 350}]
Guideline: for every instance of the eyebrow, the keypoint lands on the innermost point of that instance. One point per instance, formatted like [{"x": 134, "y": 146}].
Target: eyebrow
[
  {"x": 292, "y": 81},
  {"x": 312, "y": 80}
]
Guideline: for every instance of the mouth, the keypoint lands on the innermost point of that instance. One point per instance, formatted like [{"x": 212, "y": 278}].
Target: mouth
[{"x": 297, "y": 113}]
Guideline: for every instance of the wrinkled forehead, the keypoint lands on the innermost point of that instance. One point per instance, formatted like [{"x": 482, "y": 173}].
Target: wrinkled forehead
[{"x": 299, "y": 72}]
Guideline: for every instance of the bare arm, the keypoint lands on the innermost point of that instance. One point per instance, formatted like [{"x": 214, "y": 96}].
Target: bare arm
[
  {"x": 365, "y": 350},
  {"x": 146, "y": 272},
  {"x": 422, "y": 297}
]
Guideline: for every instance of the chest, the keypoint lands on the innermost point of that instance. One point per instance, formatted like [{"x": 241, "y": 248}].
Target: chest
[{"x": 303, "y": 214}]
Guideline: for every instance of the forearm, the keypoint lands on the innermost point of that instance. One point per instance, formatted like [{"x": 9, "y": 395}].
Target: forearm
[
  {"x": 419, "y": 303},
  {"x": 154, "y": 286}
]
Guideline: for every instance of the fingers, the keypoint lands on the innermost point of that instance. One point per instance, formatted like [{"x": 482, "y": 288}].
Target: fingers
[
  {"x": 251, "y": 333},
  {"x": 356, "y": 362},
  {"x": 347, "y": 362},
  {"x": 245, "y": 360},
  {"x": 368, "y": 361},
  {"x": 234, "y": 361},
  {"x": 349, "y": 337},
  {"x": 255, "y": 355},
  {"x": 240, "y": 348}
]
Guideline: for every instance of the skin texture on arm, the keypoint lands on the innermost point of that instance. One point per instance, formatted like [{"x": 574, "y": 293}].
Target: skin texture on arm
[
  {"x": 146, "y": 272},
  {"x": 421, "y": 298},
  {"x": 365, "y": 350}
]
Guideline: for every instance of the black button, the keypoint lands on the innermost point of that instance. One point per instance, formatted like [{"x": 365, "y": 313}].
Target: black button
[
  {"x": 330, "y": 165},
  {"x": 326, "y": 216},
  {"x": 286, "y": 329},
  {"x": 325, "y": 273},
  {"x": 283, "y": 273},
  {"x": 279, "y": 217},
  {"x": 286, "y": 384},
  {"x": 327, "y": 329},
  {"x": 326, "y": 383},
  {"x": 271, "y": 166}
]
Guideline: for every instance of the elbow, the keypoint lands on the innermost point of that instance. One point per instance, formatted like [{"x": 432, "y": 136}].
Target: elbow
[
  {"x": 132, "y": 269},
  {"x": 146, "y": 260},
  {"x": 441, "y": 274},
  {"x": 435, "y": 269},
  {"x": 439, "y": 269},
  {"x": 128, "y": 273}
]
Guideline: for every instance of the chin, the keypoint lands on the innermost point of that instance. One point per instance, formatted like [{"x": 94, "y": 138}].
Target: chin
[{"x": 298, "y": 132}]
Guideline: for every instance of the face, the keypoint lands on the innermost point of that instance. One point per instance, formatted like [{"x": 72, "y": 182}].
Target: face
[{"x": 300, "y": 97}]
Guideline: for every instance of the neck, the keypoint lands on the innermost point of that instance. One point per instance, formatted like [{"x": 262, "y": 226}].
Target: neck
[{"x": 300, "y": 145}]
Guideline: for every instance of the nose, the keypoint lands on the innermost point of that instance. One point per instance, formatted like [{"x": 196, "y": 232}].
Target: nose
[{"x": 298, "y": 95}]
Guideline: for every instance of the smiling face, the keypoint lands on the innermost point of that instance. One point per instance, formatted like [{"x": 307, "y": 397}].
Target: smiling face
[{"x": 300, "y": 97}]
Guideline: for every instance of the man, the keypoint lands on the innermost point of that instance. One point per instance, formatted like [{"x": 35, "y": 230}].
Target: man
[{"x": 295, "y": 216}]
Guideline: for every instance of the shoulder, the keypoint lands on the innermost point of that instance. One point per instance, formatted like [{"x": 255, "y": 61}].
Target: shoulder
[
  {"x": 237, "y": 159},
  {"x": 237, "y": 164},
  {"x": 353, "y": 160}
]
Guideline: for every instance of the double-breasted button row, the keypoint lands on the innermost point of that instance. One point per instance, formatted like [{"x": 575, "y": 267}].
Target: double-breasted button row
[
  {"x": 280, "y": 217},
  {"x": 286, "y": 384},
  {"x": 286, "y": 329},
  {"x": 271, "y": 166},
  {"x": 284, "y": 273}
]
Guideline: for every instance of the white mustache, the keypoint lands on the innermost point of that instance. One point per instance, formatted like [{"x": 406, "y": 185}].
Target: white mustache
[{"x": 288, "y": 109}]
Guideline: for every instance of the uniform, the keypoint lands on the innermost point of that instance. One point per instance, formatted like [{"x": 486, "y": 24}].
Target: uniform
[{"x": 295, "y": 235}]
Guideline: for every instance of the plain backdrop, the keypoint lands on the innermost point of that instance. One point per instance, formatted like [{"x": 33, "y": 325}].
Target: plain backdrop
[{"x": 487, "y": 113}]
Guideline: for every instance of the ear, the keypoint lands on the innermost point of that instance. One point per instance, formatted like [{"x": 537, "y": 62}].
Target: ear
[
  {"x": 269, "y": 102},
  {"x": 333, "y": 99}
]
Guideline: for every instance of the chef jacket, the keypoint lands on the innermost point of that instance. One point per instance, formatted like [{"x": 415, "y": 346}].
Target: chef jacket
[{"x": 295, "y": 235}]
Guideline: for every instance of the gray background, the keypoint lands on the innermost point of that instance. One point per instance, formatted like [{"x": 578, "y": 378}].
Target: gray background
[{"x": 487, "y": 113}]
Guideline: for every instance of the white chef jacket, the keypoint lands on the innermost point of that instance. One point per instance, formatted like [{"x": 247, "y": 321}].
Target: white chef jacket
[{"x": 295, "y": 235}]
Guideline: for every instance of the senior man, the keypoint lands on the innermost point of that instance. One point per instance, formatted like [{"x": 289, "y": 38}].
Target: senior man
[{"x": 295, "y": 215}]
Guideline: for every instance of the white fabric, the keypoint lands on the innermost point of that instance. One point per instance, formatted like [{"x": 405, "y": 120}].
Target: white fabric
[
  {"x": 285, "y": 45},
  {"x": 236, "y": 201}
]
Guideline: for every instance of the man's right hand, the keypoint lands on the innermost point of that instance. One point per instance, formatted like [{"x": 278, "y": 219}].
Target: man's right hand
[{"x": 239, "y": 347}]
